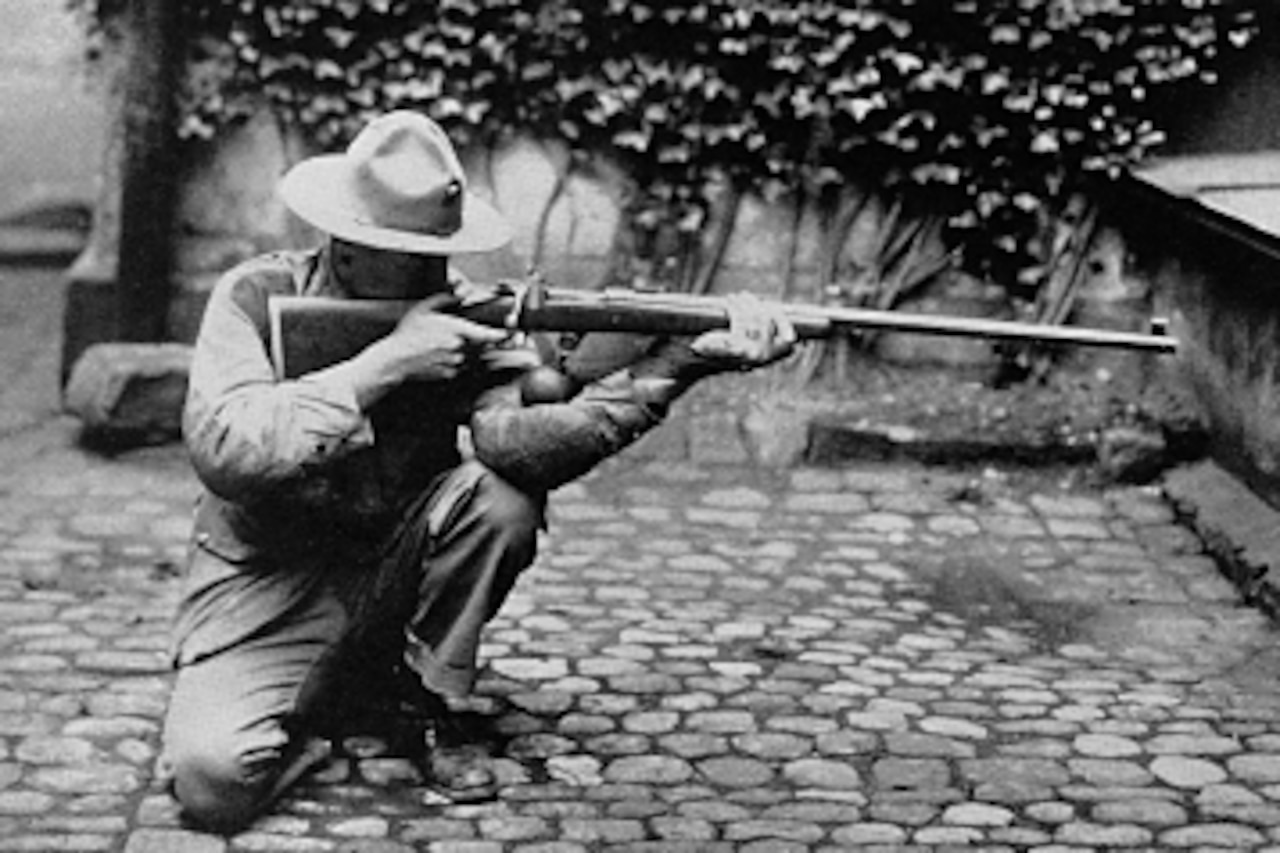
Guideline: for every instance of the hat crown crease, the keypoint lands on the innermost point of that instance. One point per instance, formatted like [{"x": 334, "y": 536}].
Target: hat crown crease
[{"x": 407, "y": 179}]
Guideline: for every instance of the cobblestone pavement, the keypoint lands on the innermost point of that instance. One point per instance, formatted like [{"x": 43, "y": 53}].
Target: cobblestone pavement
[{"x": 701, "y": 660}]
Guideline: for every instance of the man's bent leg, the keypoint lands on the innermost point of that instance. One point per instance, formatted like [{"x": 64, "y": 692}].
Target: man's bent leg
[
  {"x": 473, "y": 536},
  {"x": 230, "y": 742}
]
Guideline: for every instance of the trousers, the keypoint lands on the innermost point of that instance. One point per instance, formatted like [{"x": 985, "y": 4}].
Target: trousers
[{"x": 236, "y": 720}]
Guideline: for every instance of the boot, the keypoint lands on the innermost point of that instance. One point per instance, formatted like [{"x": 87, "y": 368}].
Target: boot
[{"x": 456, "y": 768}]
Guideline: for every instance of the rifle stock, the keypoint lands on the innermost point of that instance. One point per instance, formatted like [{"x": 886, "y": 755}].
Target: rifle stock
[{"x": 309, "y": 333}]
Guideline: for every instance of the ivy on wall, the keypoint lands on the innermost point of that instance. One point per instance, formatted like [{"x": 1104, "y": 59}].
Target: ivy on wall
[{"x": 988, "y": 109}]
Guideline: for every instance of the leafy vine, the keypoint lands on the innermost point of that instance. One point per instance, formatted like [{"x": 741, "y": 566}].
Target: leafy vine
[{"x": 989, "y": 109}]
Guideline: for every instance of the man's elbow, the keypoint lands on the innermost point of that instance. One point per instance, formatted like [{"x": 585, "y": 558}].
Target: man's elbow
[
  {"x": 227, "y": 466},
  {"x": 231, "y": 481}
]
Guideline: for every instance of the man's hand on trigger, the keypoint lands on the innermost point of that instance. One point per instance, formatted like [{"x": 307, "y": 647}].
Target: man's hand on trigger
[
  {"x": 757, "y": 335},
  {"x": 428, "y": 344}
]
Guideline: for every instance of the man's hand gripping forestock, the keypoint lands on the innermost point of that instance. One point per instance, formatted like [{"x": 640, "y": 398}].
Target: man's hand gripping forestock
[{"x": 756, "y": 336}]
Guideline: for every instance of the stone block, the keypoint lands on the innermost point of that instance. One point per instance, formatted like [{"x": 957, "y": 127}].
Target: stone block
[{"x": 129, "y": 393}]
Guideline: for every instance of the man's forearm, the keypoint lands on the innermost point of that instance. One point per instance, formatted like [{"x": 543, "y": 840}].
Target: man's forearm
[{"x": 541, "y": 447}]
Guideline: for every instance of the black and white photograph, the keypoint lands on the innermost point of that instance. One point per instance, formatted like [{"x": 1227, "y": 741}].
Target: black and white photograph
[{"x": 651, "y": 426}]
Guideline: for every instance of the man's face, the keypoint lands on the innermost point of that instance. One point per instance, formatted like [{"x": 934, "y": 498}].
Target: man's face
[{"x": 367, "y": 273}]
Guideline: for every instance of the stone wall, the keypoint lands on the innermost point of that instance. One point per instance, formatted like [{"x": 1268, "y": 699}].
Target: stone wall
[
  {"x": 1218, "y": 281},
  {"x": 52, "y": 113}
]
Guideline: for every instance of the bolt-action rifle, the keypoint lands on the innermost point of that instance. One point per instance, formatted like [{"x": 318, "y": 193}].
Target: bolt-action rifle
[{"x": 309, "y": 333}]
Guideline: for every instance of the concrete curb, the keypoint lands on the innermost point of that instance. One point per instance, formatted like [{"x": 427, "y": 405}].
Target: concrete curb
[{"x": 1239, "y": 529}]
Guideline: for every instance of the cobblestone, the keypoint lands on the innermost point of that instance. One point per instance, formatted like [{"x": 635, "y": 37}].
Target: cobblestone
[{"x": 702, "y": 659}]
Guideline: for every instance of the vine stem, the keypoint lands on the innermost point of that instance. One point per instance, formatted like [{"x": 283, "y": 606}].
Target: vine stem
[
  {"x": 558, "y": 190},
  {"x": 727, "y": 224},
  {"x": 793, "y": 243}
]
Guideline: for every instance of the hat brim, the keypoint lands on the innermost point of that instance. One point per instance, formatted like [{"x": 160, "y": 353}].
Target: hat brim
[{"x": 317, "y": 191}]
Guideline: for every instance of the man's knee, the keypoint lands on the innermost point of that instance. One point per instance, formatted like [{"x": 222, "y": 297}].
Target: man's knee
[
  {"x": 220, "y": 782},
  {"x": 477, "y": 508},
  {"x": 506, "y": 509}
]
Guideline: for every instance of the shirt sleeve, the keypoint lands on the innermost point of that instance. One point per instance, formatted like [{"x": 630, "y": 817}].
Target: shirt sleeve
[
  {"x": 248, "y": 433},
  {"x": 544, "y": 446}
]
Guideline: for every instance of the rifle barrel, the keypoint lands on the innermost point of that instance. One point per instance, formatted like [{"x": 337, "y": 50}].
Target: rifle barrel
[{"x": 668, "y": 313}]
